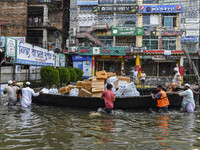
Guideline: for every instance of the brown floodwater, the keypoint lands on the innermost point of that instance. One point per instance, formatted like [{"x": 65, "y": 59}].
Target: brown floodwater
[{"x": 58, "y": 128}]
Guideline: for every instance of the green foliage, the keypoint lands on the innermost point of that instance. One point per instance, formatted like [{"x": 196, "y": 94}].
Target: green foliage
[
  {"x": 50, "y": 76},
  {"x": 73, "y": 75},
  {"x": 64, "y": 75},
  {"x": 79, "y": 73}
]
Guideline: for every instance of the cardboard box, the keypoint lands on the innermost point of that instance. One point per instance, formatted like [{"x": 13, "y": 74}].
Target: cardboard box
[
  {"x": 116, "y": 85},
  {"x": 97, "y": 83},
  {"x": 90, "y": 79},
  {"x": 101, "y": 75},
  {"x": 80, "y": 84},
  {"x": 85, "y": 80},
  {"x": 127, "y": 79},
  {"x": 97, "y": 94},
  {"x": 84, "y": 93},
  {"x": 97, "y": 89},
  {"x": 64, "y": 90},
  {"x": 111, "y": 74}
]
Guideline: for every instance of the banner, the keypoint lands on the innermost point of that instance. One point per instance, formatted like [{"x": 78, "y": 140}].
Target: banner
[
  {"x": 126, "y": 31},
  {"x": 114, "y": 51},
  {"x": 87, "y": 2},
  {"x": 190, "y": 39},
  {"x": 10, "y": 52},
  {"x": 160, "y": 9},
  {"x": 170, "y": 1},
  {"x": 116, "y": 8},
  {"x": 36, "y": 56},
  {"x": 62, "y": 60}
]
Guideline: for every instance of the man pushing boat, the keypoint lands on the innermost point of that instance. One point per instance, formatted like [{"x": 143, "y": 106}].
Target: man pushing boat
[{"x": 162, "y": 99}]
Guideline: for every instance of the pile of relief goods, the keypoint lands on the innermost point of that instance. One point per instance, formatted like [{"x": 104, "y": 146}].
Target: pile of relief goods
[
  {"x": 52, "y": 91},
  {"x": 94, "y": 86}
]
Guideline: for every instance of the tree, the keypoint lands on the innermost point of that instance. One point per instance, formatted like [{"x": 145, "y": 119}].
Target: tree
[
  {"x": 73, "y": 75},
  {"x": 50, "y": 76},
  {"x": 64, "y": 75},
  {"x": 79, "y": 73}
]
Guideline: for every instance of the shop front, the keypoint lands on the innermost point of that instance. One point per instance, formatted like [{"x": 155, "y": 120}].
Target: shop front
[{"x": 109, "y": 59}]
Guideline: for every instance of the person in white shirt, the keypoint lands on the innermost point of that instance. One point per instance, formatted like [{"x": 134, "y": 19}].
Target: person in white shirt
[
  {"x": 11, "y": 92},
  {"x": 188, "y": 103},
  {"x": 135, "y": 74},
  {"x": 177, "y": 77},
  {"x": 27, "y": 94}
]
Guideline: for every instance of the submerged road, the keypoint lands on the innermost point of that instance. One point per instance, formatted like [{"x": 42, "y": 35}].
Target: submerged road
[{"x": 58, "y": 128}]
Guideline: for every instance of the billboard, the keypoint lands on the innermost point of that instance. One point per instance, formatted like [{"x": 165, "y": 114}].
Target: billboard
[
  {"x": 87, "y": 2},
  {"x": 160, "y": 9}
]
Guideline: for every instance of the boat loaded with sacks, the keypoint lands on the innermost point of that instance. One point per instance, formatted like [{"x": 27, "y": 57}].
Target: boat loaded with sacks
[{"x": 87, "y": 93}]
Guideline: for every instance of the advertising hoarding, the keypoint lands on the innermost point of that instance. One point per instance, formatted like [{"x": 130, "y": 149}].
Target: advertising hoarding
[
  {"x": 160, "y": 9},
  {"x": 190, "y": 39}
]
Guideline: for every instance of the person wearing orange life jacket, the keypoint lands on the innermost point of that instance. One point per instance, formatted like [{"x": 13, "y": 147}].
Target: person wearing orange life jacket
[{"x": 162, "y": 100}]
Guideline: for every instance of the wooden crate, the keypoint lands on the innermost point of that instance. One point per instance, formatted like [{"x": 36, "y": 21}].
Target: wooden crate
[
  {"x": 98, "y": 94},
  {"x": 84, "y": 93},
  {"x": 97, "y": 89},
  {"x": 101, "y": 75}
]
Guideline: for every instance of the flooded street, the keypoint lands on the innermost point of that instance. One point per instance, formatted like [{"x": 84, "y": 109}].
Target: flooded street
[{"x": 62, "y": 128}]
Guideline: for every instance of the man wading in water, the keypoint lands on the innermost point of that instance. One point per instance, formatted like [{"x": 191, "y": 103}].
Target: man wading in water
[
  {"x": 162, "y": 100},
  {"x": 109, "y": 98},
  {"x": 188, "y": 99}
]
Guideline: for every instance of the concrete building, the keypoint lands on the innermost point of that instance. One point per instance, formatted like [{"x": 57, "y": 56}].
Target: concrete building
[{"x": 151, "y": 31}]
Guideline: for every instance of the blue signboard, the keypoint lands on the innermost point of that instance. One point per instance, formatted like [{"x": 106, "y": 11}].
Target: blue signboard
[
  {"x": 87, "y": 2},
  {"x": 190, "y": 39},
  {"x": 81, "y": 58},
  {"x": 160, "y": 9}
]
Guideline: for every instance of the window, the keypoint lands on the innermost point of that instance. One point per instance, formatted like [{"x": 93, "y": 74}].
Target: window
[
  {"x": 106, "y": 1},
  {"x": 126, "y": 20},
  {"x": 149, "y": 67},
  {"x": 150, "y": 1},
  {"x": 169, "y": 21},
  {"x": 126, "y": 2},
  {"x": 150, "y": 20},
  {"x": 108, "y": 40},
  {"x": 125, "y": 41},
  {"x": 169, "y": 43},
  {"x": 146, "y": 20},
  {"x": 151, "y": 42}
]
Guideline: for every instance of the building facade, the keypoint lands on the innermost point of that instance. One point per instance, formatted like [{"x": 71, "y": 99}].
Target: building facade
[{"x": 154, "y": 33}]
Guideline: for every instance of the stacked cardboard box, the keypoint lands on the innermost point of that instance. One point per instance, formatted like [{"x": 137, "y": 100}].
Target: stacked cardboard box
[{"x": 94, "y": 86}]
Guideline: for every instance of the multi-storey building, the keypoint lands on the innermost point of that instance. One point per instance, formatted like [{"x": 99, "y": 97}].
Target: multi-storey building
[
  {"x": 45, "y": 23},
  {"x": 150, "y": 30}
]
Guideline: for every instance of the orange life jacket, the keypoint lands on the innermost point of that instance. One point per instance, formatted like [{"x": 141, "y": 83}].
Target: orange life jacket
[{"x": 163, "y": 101}]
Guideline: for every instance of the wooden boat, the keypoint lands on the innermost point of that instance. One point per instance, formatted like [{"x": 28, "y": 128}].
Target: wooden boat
[{"x": 138, "y": 102}]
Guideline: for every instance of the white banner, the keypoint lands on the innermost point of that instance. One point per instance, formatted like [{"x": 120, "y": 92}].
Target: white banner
[
  {"x": 27, "y": 54},
  {"x": 87, "y": 68},
  {"x": 154, "y": 20},
  {"x": 62, "y": 60},
  {"x": 192, "y": 33},
  {"x": 87, "y": 19},
  {"x": 10, "y": 47}
]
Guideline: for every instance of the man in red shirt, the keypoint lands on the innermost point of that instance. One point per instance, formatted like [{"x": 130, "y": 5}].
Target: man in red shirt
[{"x": 109, "y": 98}]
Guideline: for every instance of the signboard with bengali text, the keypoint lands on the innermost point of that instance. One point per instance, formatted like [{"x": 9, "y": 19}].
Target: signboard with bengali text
[
  {"x": 125, "y": 31},
  {"x": 114, "y": 51},
  {"x": 149, "y": 9}
]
